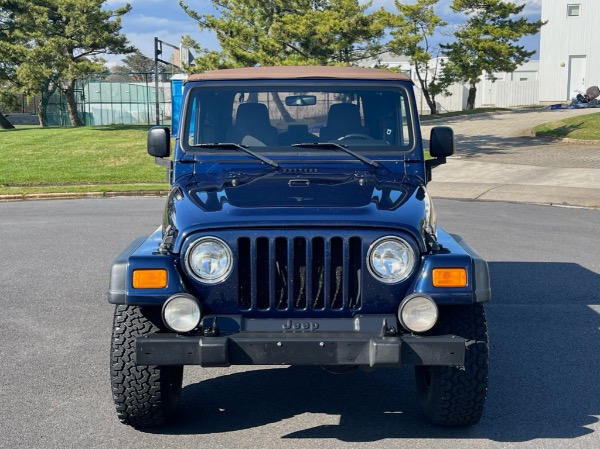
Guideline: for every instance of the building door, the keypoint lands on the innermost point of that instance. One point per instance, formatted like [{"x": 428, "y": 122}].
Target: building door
[{"x": 577, "y": 68}]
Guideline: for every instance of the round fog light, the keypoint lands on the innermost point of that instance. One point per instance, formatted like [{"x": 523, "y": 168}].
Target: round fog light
[
  {"x": 418, "y": 313},
  {"x": 181, "y": 313}
]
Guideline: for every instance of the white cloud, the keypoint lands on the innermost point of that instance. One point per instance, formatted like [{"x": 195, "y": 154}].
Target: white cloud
[
  {"x": 119, "y": 3},
  {"x": 144, "y": 22},
  {"x": 144, "y": 41},
  {"x": 530, "y": 2},
  {"x": 156, "y": 18},
  {"x": 532, "y": 7}
]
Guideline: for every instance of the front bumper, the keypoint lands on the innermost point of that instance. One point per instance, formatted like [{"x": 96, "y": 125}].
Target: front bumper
[{"x": 361, "y": 346}]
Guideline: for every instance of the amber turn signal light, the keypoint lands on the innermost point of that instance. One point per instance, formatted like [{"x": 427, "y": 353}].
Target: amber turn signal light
[
  {"x": 150, "y": 278},
  {"x": 449, "y": 277}
]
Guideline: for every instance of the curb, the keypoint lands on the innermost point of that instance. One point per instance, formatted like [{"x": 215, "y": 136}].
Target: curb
[
  {"x": 565, "y": 139},
  {"x": 78, "y": 195},
  {"x": 463, "y": 117},
  {"x": 544, "y": 195}
]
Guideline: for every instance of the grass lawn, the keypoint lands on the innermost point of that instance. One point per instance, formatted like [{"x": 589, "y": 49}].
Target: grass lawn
[
  {"x": 583, "y": 127},
  {"x": 99, "y": 159}
]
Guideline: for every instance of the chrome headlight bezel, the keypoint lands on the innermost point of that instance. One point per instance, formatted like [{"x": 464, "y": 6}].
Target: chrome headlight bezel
[
  {"x": 209, "y": 279},
  {"x": 409, "y": 262}
]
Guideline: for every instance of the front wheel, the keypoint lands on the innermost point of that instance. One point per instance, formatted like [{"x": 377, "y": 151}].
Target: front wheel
[
  {"x": 455, "y": 395},
  {"x": 144, "y": 395}
]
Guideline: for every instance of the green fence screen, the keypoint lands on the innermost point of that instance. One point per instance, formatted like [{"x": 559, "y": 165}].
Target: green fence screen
[{"x": 113, "y": 100}]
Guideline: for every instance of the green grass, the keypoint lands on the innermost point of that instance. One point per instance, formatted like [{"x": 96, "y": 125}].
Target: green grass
[
  {"x": 99, "y": 159},
  {"x": 583, "y": 127},
  {"x": 425, "y": 118}
]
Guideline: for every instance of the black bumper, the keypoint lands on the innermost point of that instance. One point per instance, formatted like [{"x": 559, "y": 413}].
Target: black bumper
[{"x": 299, "y": 349}]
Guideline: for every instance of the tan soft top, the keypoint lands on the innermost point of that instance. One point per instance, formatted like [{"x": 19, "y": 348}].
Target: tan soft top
[{"x": 299, "y": 72}]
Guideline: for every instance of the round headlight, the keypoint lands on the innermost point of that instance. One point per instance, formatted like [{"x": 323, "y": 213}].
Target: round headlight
[
  {"x": 391, "y": 260},
  {"x": 181, "y": 313},
  {"x": 418, "y": 313},
  {"x": 209, "y": 260}
]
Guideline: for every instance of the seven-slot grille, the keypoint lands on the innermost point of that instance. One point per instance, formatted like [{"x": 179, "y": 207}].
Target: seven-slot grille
[{"x": 299, "y": 273}]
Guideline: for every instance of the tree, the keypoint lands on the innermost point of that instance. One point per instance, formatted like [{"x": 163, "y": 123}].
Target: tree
[
  {"x": 119, "y": 74},
  {"x": 340, "y": 32},
  {"x": 4, "y": 122},
  {"x": 63, "y": 39},
  {"x": 9, "y": 56},
  {"x": 284, "y": 32},
  {"x": 137, "y": 62},
  {"x": 488, "y": 42},
  {"x": 141, "y": 66},
  {"x": 413, "y": 29}
]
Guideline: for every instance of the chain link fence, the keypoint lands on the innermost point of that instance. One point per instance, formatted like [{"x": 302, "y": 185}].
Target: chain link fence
[{"x": 117, "y": 99}]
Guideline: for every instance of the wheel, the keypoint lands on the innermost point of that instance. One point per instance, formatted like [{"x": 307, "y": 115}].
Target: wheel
[
  {"x": 145, "y": 396},
  {"x": 455, "y": 395}
]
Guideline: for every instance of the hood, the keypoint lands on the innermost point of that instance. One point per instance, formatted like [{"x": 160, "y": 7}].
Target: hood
[{"x": 291, "y": 199}]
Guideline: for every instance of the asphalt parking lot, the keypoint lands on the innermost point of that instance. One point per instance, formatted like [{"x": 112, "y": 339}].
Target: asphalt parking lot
[{"x": 55, "y": 333}]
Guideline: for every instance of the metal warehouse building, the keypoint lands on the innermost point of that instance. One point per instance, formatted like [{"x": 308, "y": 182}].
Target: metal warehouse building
[{"x": 569, "y": 48}]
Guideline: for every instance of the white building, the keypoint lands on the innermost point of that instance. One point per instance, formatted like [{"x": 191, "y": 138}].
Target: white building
[
  {"x": 518, "y": 88},
  {"x": 569, "y": 49}
]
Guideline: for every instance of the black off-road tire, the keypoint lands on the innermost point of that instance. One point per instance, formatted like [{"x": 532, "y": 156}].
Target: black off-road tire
[
  {"x": 455, "y": 395},
  {"x": 145, "y": 396}
]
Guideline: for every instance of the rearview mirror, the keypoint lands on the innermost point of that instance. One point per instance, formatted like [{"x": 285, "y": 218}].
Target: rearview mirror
[
  {"x": 441, "y": 145},
  {"x": 441, "y": 142},
  {"x": 300, "y": 100},
  {"x": 159, "y": 141}
]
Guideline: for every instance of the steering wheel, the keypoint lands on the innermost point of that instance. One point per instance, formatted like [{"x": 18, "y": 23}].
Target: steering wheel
[{"x": 356, "y": 136}]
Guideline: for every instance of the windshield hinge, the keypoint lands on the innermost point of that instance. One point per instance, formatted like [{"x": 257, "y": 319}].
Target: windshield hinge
[{"x": 168, "y": 164}]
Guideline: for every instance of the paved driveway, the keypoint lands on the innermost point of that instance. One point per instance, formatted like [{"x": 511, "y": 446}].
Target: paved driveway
[
  {"x": 491, "y": 138},
  {"x": 498, "y": 158}
]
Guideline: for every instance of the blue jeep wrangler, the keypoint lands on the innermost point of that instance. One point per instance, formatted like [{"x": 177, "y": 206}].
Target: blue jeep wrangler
[{"x": 299, "y": 231}]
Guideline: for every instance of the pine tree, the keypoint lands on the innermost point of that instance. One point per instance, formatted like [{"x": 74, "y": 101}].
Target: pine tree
[
  {"x": 488, "y": 42},
  {"x": 289, "y": 32},
  {"x": 413, "y": 30},
  {"x": 58, "y": 41}
]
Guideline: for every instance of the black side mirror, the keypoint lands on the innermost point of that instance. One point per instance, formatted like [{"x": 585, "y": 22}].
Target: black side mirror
[
  {"x": 441, "y": 145},
  {"x": 441, "y": 142},
  {"x": 159, "y": 141}
]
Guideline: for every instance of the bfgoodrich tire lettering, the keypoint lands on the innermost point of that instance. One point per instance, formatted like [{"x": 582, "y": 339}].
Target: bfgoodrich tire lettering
[
  {"x": 455, "y": 395},
  {"x": 145, "y": 396}
]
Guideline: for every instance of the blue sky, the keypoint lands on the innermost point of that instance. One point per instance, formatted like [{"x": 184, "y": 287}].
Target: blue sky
[{"x": 167, "y": 21}]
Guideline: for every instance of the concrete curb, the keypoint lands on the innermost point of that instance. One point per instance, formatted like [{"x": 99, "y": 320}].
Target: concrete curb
[
  {"x": 513, "y": 193},
  {"x": 461, "y": 117},
  {"x": 77, "y": 195},
  {"x": 566, "y": 140}
]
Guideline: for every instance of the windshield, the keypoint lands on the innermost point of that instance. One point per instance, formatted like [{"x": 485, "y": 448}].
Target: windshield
[{"x": 373, "y": 119}]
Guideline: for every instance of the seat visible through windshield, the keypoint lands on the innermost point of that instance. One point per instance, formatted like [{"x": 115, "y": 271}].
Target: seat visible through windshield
[{"x": 284, "y": 118}]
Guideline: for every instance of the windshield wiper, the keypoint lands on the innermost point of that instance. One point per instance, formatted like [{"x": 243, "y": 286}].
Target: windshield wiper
[
  {"x": 235, "y": 146},
  {"x": 337, "y": 146}
]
